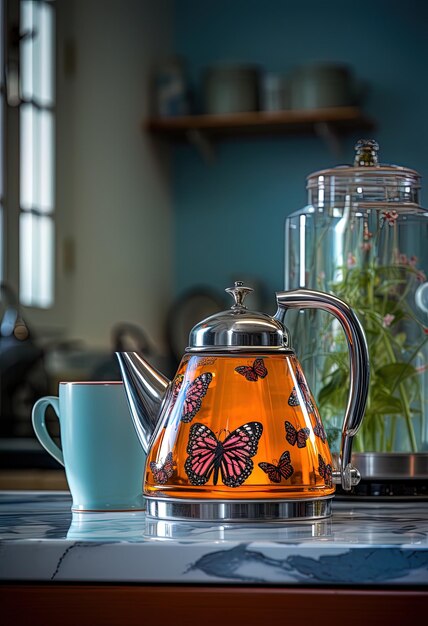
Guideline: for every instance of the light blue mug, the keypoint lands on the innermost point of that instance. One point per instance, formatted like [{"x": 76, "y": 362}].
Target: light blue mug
[{"x": 103, "y": 458}]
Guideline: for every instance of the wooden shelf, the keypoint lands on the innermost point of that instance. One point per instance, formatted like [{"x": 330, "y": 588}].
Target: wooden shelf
[{"x": 339, "y": 120}]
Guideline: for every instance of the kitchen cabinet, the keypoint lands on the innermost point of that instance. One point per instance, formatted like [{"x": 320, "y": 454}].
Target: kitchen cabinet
[
  {"x": 126, "y": 605},
  {"x": 367, "y": 564}
]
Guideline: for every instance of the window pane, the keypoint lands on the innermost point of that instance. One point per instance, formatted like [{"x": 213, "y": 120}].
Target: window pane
[
  {"x": 37, "y": 159},
  {"x": 37, "y": 58},
  {"x": 26, "y": 69},
  {"x": 36, "y": 260},
  {"x": 45, "y": 159},
  {"x": 2, "y": 145},
  {"x": 44, "y": 90},
  {"x": 1, "y": 243},
  {"x": 27, "y": 15},
  {"x": 27, "y": 48},
  {"x": 2, "y": 42},
  {"x": 27, "y": 175}
]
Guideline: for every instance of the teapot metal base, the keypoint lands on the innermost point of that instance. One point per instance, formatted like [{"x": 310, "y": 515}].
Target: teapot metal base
[{"x": 239, "y": 510}]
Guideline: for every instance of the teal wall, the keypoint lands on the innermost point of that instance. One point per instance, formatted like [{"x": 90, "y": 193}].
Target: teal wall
[{"x": 230, "y": 213}]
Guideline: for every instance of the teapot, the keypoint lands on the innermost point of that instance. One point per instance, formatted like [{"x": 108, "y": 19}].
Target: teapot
[{"x": 236, "y": 435}]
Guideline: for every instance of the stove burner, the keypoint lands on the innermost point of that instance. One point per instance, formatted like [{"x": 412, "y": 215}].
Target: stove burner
[
  {"x": 389, "y": 476},
  {"x": 403, "y": 489}
]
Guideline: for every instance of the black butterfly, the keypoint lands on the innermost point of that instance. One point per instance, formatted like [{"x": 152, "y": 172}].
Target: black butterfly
[
  {"x": 293, "y": 400},
  {"x": 319, "y": 431},
  {"x": 294, "y": 436},
  {"x": 284, "y": 469},
  {"x": 325, "y": 471},
  {"x": 253, "y": 372},
  {"x": 163, "y": 471},
  {"x": 304, "y": 389}
]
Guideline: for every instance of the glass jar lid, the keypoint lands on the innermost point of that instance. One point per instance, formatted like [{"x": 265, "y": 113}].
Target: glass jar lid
[
  {"x": 238, "y": 329},
  {"x": 367, "y": 181}
]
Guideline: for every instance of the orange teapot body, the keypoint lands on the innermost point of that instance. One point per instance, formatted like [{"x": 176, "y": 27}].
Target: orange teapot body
[
  {"x": 237, "y": 435},
  {"x": 240, "y": 427}
]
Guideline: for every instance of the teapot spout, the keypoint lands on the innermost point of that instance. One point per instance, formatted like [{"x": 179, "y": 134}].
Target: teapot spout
[{"x": 145, "y": 389}]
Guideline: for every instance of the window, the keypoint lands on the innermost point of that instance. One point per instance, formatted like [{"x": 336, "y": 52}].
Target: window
[
  {"x": 31, "y": 91},
  {"x": 2, "y": 144}
]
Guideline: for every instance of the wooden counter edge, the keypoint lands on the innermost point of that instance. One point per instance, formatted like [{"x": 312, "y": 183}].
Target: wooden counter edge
[{"x": 129, "y": 605}]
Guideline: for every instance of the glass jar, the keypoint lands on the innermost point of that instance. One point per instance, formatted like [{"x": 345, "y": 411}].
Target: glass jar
[{"x": 364, "y": 237}]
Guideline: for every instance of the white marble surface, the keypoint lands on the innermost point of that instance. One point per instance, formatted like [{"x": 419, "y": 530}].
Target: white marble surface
[{"x": 362, "y": 543}]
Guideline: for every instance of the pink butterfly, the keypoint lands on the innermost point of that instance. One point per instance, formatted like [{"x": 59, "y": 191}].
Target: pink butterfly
[
  {"x": 294, "y": 436},
  {"x": 319, "y": 431},
  {"x": 231, "y": 457},
  {"x": 163, "y": 471},
  {"x": 325, "y": 471},
  {"x": 283, "y": 469},
  {"x": 195, "y": 391},
  {"x": 253, "y": 372}
]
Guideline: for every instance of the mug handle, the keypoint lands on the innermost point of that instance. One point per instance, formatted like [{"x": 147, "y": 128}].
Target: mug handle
[{"x": 39, "y": 425}]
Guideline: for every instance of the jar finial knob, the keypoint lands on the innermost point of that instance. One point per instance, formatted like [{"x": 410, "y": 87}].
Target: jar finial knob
[{"x": 366, "y": 153}]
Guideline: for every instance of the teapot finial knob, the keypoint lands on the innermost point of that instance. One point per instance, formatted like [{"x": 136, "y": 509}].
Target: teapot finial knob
[
  {"x": 366, "y": 153},
  {"x": 239, "y": 291}
]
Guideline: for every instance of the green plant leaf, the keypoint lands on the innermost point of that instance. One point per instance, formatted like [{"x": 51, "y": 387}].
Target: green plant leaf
[
  {"x": 384, "y": 404},
  {"x": 395, "y": 373}
]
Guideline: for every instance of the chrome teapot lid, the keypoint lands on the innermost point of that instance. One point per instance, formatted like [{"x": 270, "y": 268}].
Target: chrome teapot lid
[{"x": 239, "y": 328}]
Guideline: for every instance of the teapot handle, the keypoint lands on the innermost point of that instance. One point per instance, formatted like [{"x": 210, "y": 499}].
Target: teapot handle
[{"x": 359, "y": 368}]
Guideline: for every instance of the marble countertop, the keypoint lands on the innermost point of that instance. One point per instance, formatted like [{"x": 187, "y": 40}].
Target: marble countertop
[{"x": 363, "y": 543}]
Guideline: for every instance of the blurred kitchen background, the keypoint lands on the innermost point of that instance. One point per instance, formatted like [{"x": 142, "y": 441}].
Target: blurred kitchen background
[{"x": 119, "y": 229}]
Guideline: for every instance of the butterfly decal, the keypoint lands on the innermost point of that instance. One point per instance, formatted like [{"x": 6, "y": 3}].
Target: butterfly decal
[
  {"x": 230, "y": 458},
  {"x": 293, "y": 400},
  {"x": 163, "y": 471},
  {"x": 201, "y": 361},
  {"x": 253, "y": 372},
  {"x": 325, "y": 471},
  {"x": 294, "y": 436},
  {"x": 283, "y": 469},
  {"x": 319, "y": 431},
  {"x": 195, "y": 391},
  {"x": 176, "y": 386}
]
